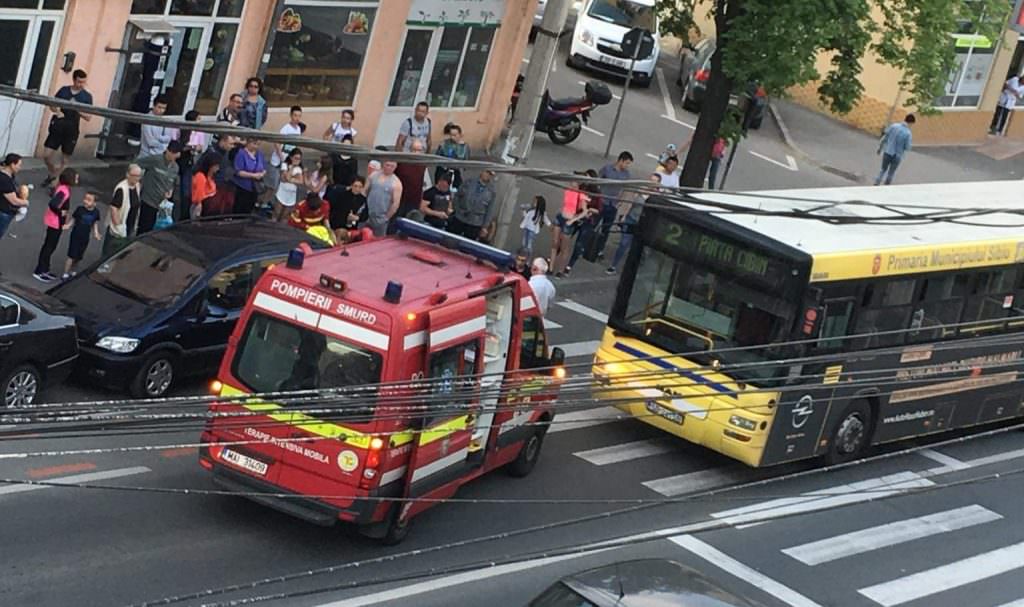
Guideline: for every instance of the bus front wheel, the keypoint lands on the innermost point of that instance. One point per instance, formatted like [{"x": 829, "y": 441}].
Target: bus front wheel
[{"x": 851, "y": 435}]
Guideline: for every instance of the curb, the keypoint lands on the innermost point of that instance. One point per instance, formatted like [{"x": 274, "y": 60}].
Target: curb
[{"x": 791, "y": 144}]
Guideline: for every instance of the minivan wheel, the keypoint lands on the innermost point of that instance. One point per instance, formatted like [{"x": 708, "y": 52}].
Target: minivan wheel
[
  {"x": 20, "y": 387},
  {"x": 155, "y": 376},
  {"x": 525, "y": 462},
  {"x": 398, "y": 529}
]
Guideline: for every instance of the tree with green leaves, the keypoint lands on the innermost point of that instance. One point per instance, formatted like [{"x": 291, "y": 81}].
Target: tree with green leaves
[{"x": 777, "y": 43}]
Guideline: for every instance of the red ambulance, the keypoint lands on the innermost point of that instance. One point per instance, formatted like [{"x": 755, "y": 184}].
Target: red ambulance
[{"x": 402, "y": 367}]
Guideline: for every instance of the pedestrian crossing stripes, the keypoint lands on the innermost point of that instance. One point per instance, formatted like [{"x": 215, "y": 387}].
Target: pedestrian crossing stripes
[
  {"x": 701, "y": 480},
  {"x": 891, "y": 534},
  {"x": 1017, "y": 603},
  {"x": 832, "y": 497},
  {"x": 625, "y": 452},
  {"x": 581, "y": 348},
  {"x": 585, "y": 419},
  {"x": 946, "y": 577},
  {"x": 579, "y": 308},
  {"x": 89, "y": 477}
]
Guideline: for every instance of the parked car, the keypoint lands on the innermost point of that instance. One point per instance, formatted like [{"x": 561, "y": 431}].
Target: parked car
[
  {"x": 164, "y": 306},
  {"x": 694, "y": 73},
  {"x": 38, "y": 344},
  {"x": 597, "y": 38},
  {"x": 639, "y": 583}
]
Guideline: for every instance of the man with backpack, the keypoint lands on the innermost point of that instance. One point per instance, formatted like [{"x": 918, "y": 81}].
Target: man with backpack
[{"x": 414, "y": 127}]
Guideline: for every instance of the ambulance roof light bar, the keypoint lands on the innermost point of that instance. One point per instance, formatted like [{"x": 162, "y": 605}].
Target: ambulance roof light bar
[{"x": 502, "y": 259}]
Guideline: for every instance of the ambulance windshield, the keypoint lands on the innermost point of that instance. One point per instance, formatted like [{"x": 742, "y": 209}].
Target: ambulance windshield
[{"x": 277, "y": 356}]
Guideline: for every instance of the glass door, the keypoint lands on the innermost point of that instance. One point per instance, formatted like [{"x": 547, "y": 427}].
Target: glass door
[
  {"x": 181, "y": 69},
  {"x": 411, "y": 81},
  {"x": 26, "y": 57},
  {"x": 198, "y": 66}
]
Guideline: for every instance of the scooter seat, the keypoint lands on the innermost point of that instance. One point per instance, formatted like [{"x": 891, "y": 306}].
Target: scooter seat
[{"x": 568, "y": 102}]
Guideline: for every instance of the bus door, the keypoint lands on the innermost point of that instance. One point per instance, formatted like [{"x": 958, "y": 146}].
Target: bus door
[{"x": 451, "y": 399}]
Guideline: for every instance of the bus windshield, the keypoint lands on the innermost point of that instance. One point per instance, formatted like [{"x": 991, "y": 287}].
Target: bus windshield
[
  {"x": 682, "y": 306},
  {"x": 278, "y": 356}
]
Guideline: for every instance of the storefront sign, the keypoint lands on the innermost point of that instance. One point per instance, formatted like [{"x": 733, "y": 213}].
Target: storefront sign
[{"x": 456, "y": 12}]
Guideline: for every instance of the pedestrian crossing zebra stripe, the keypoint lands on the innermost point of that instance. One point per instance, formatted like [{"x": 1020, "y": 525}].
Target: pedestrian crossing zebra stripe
[
  {"x": 947, "y": 577},
  {"x": 624, "y": 452},
  {"x": 890, "y": 534}
]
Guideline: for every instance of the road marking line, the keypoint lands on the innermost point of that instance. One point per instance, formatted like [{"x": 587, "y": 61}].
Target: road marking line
[
  {"x": 666, "y": 95},
  {"x": 790, "y": 164},
  {"x": 679, "y": 122},
  {"x": 832, "y": 497},
  {"x": 76, "y": 478},
  {"x": 579, "y": 308},
  {"x": 949, "y": 462},
  {"x": 751, "y": 576},
  {"x": 995, "y": 459},
  {"x": 62, "y": 469},
  {"x": 692, "y": 482},
  {"x": 179, "y": 452},
  {"x": 586, "y": 419},
  {"x": 614, "y": 96},
  {"x": 550, "y": 324},
  {"x": 883, "y": 536},
  {"x": 625, "y": 452},
  {"x": 594, "y": 131},
  {"x": 1017, "y": 603},
  {"x": 449, "y": 581},
  {"x": 946, "y": 577},
  {"x": 580, "y": 348}
]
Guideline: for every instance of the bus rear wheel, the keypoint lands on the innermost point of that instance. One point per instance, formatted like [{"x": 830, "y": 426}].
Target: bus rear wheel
[{"x": 851, "y": 435}]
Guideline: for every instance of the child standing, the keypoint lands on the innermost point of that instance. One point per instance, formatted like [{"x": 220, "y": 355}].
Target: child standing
[
  {"x": 535, "y": 218},
  {"x": 84, "y": 221},
  {"x": 292, "y": 176},
  {"x": 54, "y": 218}
]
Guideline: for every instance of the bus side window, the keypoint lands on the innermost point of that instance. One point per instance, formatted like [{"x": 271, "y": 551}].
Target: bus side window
[
  {"x": 836, "y": 325},
  {"x": 942, "y": 299},
  {"x": 988, "y": 298},
  {"x": 533, "y": 351}
]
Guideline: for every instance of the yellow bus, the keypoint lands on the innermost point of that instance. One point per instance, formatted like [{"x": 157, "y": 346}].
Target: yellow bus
[{"x": 805, "y": 338}]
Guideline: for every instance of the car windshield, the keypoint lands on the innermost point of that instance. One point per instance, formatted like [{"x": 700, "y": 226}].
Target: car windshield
[
  {"x": 560, "y": 595},
  {"x": 147, "y": 274},
  {"x": 626, "y": 13},
  {"x": 278, "y": 356},
  {"x": 684, "y": 306}
]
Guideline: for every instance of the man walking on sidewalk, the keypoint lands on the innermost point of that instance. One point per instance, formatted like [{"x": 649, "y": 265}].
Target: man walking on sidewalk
[
  {"x": 62, "y": 136},
  {"x": 1012, "y": 91},
  {"x": 895, "y": 142}
]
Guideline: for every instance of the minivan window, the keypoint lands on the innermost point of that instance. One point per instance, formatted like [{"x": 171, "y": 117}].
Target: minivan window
[
  {"x": 626, "y": 13},
  {"x": 146, "y": 274}
]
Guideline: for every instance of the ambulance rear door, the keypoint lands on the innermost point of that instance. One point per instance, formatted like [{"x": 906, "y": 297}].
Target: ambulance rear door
[{"x": 443, "y": 447}]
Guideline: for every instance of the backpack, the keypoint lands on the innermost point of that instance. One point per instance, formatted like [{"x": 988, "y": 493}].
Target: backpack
[{"x": 430, "y": 127}]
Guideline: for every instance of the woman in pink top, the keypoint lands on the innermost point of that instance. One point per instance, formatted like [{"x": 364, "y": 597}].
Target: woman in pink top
[
  {"x": 54, "y": 218},
  {"x": 574, "y": 206}
]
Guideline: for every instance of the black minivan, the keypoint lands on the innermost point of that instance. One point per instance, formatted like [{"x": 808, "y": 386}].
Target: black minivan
[{"x": 164, "y": 306}]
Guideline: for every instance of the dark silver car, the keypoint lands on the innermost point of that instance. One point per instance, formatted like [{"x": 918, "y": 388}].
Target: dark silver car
[{"x": 639, "y": 583}]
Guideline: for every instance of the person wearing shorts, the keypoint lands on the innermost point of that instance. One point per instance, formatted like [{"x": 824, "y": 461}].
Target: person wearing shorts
[{"x": 62, "y": 136}]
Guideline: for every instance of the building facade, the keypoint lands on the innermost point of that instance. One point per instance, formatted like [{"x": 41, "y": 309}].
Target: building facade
[
  {"x": 377, "y": 57},
  {"x": 969, "y": 101}
]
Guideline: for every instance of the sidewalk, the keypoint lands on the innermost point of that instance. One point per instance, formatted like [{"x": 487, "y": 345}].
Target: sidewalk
[{"x": 850, "y": 153}]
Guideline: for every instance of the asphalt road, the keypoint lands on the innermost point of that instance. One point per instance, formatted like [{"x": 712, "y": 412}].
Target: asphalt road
[{"x": 65, "y": 546}]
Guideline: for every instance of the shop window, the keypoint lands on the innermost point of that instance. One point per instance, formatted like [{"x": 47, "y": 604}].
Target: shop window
[
  {"x": 192, "y": 8},
  {"x": 19, "y": 3},
  {"x": 969, "y": 74},
  {"x": 54, "y": 5},
  {"x": 186, "y": 8},
  {"x": 317, "y": 53},
  {"x": 410, "y": 68},
  {"x": 459, "y": 68}
]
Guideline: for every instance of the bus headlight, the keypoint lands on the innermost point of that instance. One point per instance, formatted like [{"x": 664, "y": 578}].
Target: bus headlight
[{"x": 742, "y": 422}]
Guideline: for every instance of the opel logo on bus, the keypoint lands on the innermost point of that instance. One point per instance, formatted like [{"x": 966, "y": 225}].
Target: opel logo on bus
[
  {"x": 802, "y": 410},
  {"x": 876, "y": 264}
]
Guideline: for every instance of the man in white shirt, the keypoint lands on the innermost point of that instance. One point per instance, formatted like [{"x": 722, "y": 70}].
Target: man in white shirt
[
  {"x": 669, "y": 172},
  {"x": 543, "y": 290},
  {"x": 415, "y": 127},
  {"x": 1012, "y": 91}
]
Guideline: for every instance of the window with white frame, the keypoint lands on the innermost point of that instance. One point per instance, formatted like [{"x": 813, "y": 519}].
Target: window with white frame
[
  {"x": 455, "y": 73},
  {"x": 189, "y": 8},
  {"x": 317, "y": 52}
]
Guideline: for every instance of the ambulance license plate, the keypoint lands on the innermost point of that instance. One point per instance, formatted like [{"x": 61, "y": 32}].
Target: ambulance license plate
[
  {"x": 669, "y": 414},
  {"x": 244, "y": 461}
]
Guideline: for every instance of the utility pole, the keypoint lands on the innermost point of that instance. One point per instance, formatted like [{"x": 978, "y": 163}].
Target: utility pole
[{"x": 520, "y": 137}]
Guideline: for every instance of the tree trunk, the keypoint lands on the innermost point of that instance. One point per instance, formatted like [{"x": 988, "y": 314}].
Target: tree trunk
[{"x": 716, "y": 102}]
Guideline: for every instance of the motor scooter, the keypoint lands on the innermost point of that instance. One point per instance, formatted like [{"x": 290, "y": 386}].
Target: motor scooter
[{"x": 563, "y": 119}]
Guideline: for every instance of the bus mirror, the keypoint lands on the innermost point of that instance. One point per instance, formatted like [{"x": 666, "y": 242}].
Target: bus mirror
[
  {"x": 557, "y": 357},
  {"x": 811, "y": 321}
]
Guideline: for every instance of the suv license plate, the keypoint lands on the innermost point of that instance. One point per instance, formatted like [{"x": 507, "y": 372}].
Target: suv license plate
[
  {"x": 612, "y": 61},
  {"x": 670, "y": 414},
  {"x": 244, "y": 461}
]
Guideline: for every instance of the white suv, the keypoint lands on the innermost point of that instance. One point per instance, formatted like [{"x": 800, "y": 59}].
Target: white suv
[{"x": 597, "y": 39}]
